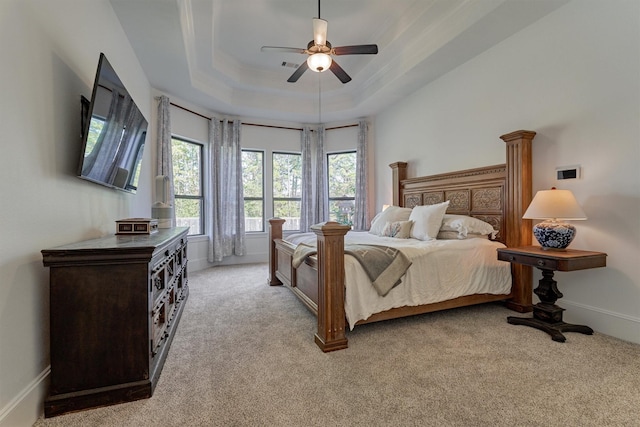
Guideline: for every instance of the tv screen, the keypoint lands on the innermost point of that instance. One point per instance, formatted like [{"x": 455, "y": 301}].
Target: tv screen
[{"x": 113, "y": 134}]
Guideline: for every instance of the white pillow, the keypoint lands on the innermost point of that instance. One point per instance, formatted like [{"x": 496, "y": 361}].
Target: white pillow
[
  {"x": 398, "y": 229},
  {"x": 427, "y": 220},
  {"x": 465, "y": 225},
  {"x": 391, "y": 214}
]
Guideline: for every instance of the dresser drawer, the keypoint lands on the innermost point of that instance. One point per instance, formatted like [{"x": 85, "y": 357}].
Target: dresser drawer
[
  {"x": 158, "y": 326},
  {"x": 534, "y": 261}
]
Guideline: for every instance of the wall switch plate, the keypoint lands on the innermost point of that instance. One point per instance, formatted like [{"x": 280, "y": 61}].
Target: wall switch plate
[{"x": 568, "y": 172}]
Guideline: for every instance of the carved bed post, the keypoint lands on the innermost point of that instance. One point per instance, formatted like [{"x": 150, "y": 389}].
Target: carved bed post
[
  {"x": 399, "y": 170},
  {"x": 519, "y": 196},
  {"x": 331, "y": 315},
  {"x": 275, "y": 232}
]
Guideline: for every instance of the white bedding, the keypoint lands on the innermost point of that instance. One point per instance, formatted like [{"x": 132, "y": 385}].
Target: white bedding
[{"x": 441, "y": 270}]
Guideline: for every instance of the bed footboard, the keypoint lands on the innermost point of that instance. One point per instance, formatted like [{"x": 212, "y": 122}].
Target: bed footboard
[
  {"x": 331, "y": 315},
  {"x": 318, "y": 283}
]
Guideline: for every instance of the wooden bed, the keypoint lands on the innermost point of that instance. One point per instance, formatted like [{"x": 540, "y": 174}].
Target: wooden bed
[{"x": 496, "y": 194}]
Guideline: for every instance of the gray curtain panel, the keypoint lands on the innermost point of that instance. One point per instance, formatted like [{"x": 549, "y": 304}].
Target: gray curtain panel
[
  {"x": 360, "y": 222},
  {"x": 227, "y": 234},
  {"x": 306, "y": 205},
  {"x": 321, "y": 206},
  {"x": 164, "y": 165}
]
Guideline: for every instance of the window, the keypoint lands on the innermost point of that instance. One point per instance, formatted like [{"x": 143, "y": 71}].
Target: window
[
  {"x": 287, "y": 188},
  {"x": 342, "y": 186},
  {"x": 187, "y": 184},
  {"x": 253, "y": 185}
]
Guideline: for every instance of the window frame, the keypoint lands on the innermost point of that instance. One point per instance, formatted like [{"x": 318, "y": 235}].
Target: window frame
[
  {"x": 263, "y": 198},
  {"x": 201, "y": 197},
  {"x": 275, "y": 199},
  {"x": 339, "y": 198}
]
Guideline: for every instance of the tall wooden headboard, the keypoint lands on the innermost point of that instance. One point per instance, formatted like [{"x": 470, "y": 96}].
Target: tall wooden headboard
[
  {"x": 497, "y": 194},
  {"x": 479, "y": 192}
]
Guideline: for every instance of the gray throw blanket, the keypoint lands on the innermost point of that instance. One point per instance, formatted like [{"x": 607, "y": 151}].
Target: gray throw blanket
[{"x": 384, "y": 265}]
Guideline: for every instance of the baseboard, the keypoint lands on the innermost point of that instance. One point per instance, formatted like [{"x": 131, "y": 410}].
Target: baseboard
[
  {"x": 27, "y": 406},
  {"x": 255, "y": 252},
  {"x": 606, "y": 322}
]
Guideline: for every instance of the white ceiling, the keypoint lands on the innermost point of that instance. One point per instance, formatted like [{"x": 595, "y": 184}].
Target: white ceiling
[{"x": 207, "y": 52}]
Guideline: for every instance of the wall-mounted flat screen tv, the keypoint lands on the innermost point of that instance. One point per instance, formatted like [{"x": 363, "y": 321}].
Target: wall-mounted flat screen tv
[{"x": 113, "y": 134}]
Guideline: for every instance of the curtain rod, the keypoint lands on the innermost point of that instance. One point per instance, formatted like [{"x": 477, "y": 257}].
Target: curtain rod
[{"x": 259, "y": 125}]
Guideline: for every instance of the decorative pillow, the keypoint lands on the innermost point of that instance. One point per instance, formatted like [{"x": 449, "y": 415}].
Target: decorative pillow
[
  {"x": 454, "y": 235},
  {"x": 464, "y": 225},
  {"x": 427, "y": 220},
  {"x": 391, "y": 214},
  {"x": 397, "y": 229}
]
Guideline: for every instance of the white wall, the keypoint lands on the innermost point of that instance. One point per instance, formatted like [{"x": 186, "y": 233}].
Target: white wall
[
  {"x": 50, "y": 52},
  {"x": 573, "y": 77}
]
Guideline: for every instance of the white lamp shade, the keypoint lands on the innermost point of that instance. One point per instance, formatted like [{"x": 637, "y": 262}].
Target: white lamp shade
[
  {"x": 319, "y": 62},
  {"x": 554, "y": 204},
  {"x": 319, "y": 31}
]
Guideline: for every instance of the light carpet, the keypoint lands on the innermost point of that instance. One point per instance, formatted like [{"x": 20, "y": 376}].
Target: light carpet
[{"x": 244, "y": 355}]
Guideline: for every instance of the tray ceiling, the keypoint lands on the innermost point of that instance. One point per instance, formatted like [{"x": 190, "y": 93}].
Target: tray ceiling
[{"x": 207, "y": 52}]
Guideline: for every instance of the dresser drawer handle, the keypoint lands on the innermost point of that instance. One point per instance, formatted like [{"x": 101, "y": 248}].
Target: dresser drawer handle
[
  {"x": 512, "y": 258},
  {"x": 540, "y": 263}
]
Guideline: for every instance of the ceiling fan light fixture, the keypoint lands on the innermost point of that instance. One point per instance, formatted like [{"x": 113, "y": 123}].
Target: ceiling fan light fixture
[
  {"x": 320, "y": 52},
  {"x": 319, "y": 62},
  {"x": 319, "y": 31}
]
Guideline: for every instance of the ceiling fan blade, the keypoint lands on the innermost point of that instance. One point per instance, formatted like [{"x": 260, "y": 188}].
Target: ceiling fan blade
[
  {"x": 339, "y": 72},
  {"x": 320, "y": 31},
  {"x": 361, "y": 49},
  {"x": 282, "y": 49},
  {"x": 299, "y": 71}
]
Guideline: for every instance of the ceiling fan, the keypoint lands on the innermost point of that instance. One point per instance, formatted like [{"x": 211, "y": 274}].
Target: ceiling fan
[{"x": 320, "y": 52}]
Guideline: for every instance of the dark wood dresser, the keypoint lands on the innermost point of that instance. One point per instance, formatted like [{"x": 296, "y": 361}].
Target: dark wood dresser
[{"x": 115, "y": 305}]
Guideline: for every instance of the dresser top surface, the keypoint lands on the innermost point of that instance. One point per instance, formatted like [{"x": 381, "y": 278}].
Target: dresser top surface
[{"x": 147, "y": 242}]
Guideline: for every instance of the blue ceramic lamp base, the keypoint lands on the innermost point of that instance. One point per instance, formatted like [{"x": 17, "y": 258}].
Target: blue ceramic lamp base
[{"x": 554, "y": 235}]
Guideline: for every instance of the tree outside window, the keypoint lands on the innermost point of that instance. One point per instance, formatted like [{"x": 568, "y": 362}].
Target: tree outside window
[
  {"x": 187, "y": 184},
  {"x": 253, "y": 185},
  {"x": 287, "y": 188},
  {"x": 342, "y": 186}
]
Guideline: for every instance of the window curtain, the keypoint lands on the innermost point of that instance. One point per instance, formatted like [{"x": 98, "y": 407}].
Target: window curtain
[
  {"x": 360, "y": 222},
  {"x": 321, "y": 206},
  {"x": 164, "y": 165},
  {"x": 306, "y": 204},
  {"x": 226, "y": 236}
]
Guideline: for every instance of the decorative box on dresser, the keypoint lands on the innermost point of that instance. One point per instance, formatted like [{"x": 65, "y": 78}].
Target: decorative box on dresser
[{"x": 115, "y": 305}]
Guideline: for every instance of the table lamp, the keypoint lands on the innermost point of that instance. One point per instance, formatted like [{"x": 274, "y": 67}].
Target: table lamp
[{"x": 554, "y": 206}]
